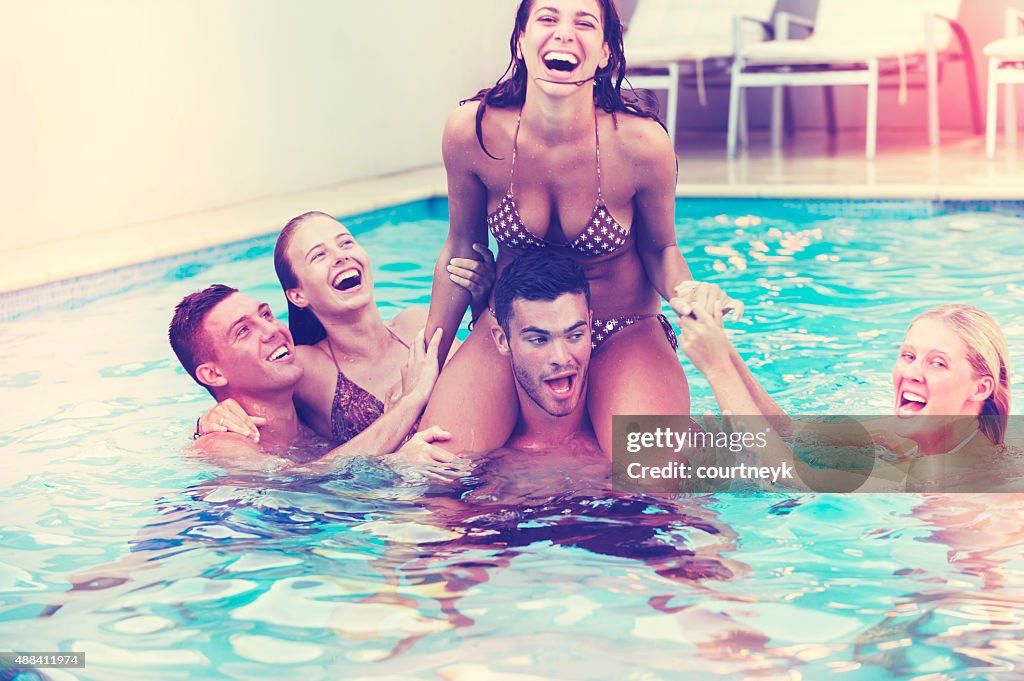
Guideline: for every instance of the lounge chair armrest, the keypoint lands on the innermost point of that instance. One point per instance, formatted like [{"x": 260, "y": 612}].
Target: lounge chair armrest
[
  {"x": 1014, "y": 19},
  {"x": 737, "y": 29},
  {"x": 765, "y": 26},
  {"x": 958, "y": 30},
  {"x": 783, "y": 20}
]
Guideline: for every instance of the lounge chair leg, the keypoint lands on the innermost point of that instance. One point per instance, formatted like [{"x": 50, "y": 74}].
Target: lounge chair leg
[
  {"x": 932, "y": 58},
  {"x": 1011, "y": 116},
  {"x": 790, "y": 117},
  {"x": 991, "y": 113},
  {"x": 830, "y": 110},
  {"x": 872, "y": 118},
  {"x": 972, "y": 85},
  {"x": 735, "y": 92},
  {"x": 777, "y": 116},
  {"x": 744, "y": 132}
]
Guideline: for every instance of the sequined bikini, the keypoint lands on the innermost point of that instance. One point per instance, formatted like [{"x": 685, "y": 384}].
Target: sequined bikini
[
  {"x": 354, "y": 408},
  {"x": 602, "y": 235}
]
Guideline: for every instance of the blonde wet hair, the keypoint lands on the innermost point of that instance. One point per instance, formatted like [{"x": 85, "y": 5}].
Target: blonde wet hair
[{"x": 989, "y": 356}]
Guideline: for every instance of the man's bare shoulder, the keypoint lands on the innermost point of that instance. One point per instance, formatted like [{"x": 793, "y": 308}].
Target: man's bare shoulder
[{"x": 233, "y": 453}]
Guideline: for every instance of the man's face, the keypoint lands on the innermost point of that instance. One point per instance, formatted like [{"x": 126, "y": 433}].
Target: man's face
[
  {"x": 253, "y": 352},
  {"x": 548, "y": 343}
]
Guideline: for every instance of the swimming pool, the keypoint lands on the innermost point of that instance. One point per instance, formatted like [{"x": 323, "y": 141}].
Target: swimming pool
[{"x": 353, "y": 576}]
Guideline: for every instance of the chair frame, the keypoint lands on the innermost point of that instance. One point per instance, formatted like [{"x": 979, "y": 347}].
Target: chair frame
[
  {"x": 1008, "y": 76},
  {"x": 649, "y": 77},
  {"x": 863, "y": 73}
]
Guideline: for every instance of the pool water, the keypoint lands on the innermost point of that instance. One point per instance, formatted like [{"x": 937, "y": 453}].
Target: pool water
[{"x": 183, "y": 573}]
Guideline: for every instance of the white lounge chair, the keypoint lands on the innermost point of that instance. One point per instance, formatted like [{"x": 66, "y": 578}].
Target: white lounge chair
[
  {"x": 851, "y": 43},
  {"x": 1006, "y": 67},
  {"x": 671, "y": 40}
]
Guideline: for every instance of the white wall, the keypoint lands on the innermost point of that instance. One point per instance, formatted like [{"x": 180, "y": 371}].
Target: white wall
[{"x": 121, "y": 111}]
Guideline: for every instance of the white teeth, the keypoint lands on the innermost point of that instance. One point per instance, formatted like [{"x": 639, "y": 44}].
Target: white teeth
[
  {"x": 279, "y": 353},
  {"x": 914, "y": 397},
  {"x": 562, "y": 56},
  {"x": 561, "y": 390},
  {"x": 342, "y": 276}
]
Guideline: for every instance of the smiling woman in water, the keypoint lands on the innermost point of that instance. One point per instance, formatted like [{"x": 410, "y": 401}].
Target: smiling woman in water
[
  {"x": 354, "y": 362},
  {"x": 951, "y": 398}
]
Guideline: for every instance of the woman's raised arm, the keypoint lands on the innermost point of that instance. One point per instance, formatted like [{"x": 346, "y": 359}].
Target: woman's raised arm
[{"x": 467, "y": 209}]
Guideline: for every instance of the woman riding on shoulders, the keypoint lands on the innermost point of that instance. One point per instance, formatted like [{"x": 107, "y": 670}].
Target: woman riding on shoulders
[{"x": 555, "y": 156}]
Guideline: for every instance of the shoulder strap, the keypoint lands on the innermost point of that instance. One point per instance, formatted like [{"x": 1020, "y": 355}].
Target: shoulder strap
[{"x": 515, "y": 148}]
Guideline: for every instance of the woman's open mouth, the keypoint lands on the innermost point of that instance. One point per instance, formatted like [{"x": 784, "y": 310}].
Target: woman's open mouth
[
  {"x": 347, "y": 280},
  {"x": 562, "y": 62},
  {"x": 910, "y": 403}
]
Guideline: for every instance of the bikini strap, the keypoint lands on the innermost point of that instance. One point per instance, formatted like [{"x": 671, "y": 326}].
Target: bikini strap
[
  {"x": 337, "y": 366},
  {"x": 597, "y": 146},
  {"x": 515, "y": 148},
  {"x": 331, "y": 349}
]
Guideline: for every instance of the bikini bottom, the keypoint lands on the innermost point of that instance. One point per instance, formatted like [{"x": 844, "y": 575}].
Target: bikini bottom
[{"x": 602, "y": 330}]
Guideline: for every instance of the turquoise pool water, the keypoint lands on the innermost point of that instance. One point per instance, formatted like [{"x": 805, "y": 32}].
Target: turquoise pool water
[{"x": 186, "y": 575}]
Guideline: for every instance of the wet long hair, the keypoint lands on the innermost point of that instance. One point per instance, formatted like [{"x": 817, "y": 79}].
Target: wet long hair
[
  {"x": 510, "y": 90},
  {"x": 988, "y": 355},
  {"x": 305, "y": 327}
]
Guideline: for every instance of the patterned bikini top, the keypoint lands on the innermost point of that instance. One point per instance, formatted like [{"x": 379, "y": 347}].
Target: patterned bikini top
[
  {"x": 354, "y": 408},
  {"x": 601, "y": 236}
]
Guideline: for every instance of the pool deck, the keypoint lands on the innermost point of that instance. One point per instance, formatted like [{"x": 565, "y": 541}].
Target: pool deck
[{"x": 809, "y": 165}]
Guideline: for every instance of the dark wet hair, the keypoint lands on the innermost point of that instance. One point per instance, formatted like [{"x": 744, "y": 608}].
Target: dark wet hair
[
  {"x": 510, "y": 90},
  {"x": 540, "y": 274},
  {"x": 188, "y": 336},
  {"x": 305, "y": 327}
]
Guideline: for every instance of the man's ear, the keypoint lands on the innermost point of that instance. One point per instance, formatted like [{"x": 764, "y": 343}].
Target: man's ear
[
  {"x": 209, "y": 374},
  {"x": 296, "y": 297},
  {"x": 500, "y": 340}
]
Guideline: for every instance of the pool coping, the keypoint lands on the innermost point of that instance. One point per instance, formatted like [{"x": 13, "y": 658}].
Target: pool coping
[{"x": 28, "y": 267}]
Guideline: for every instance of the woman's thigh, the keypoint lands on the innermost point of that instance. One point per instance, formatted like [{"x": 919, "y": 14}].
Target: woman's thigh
[
  {"x": 475, "y": 396},
  {"x": 635, "y": 372}
]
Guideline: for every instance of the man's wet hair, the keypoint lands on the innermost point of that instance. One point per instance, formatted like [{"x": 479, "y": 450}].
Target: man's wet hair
[
  {"x": 188, "y": 336},
  {"x": 542, "y": 274}
]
